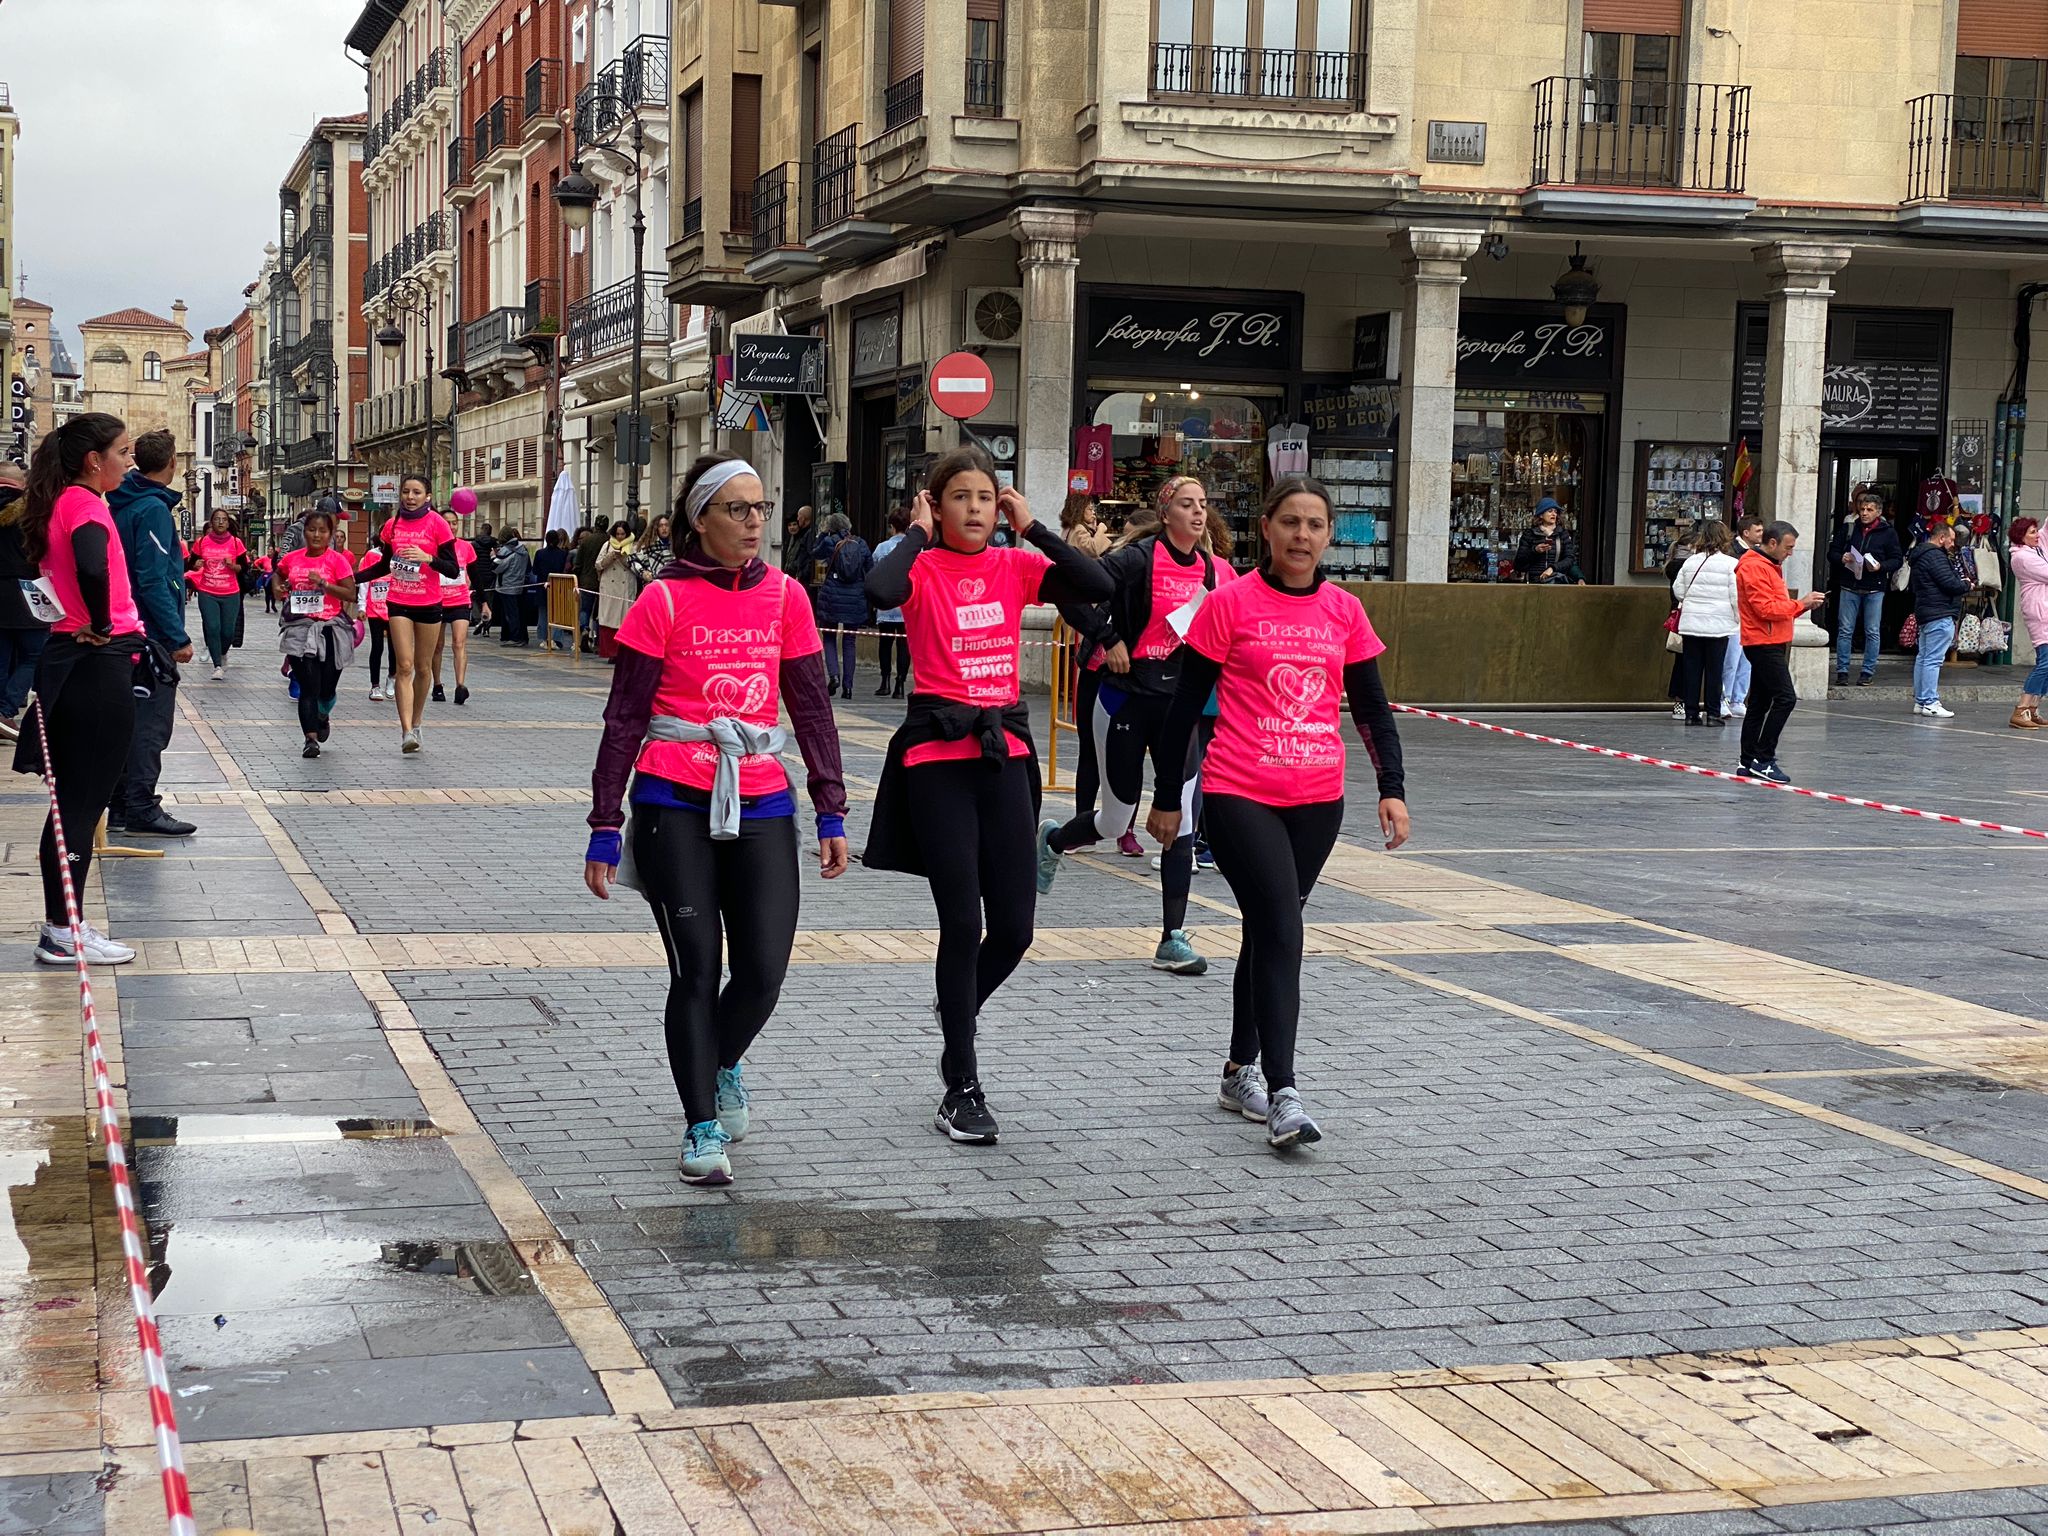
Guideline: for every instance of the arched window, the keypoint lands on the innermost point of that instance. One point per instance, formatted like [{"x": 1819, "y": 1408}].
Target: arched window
[{"x": 152, "y": 368}]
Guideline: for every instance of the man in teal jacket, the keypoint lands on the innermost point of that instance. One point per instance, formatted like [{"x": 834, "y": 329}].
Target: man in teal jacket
[{"x": 142, "y": 505}]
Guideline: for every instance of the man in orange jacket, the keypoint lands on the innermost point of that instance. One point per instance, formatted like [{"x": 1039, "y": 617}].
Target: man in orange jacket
[{"x": 1767, "y": 612}]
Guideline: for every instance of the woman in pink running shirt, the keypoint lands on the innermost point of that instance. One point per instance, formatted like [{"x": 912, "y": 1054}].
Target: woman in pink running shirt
[
  {"x": 317, "y": 639},
  {"x": 376, "y": 618},
  {"x": 217, "y": 562},
  {"x": 455, "y": 602},
  {"x": 416, "y": 550},
  {"x": 1281, "y": 647},
  {"x": 960, "y": 791}
]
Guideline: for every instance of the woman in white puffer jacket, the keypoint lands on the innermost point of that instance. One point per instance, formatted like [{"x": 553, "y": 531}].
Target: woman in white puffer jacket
[{"x": 1707, "y": 622}]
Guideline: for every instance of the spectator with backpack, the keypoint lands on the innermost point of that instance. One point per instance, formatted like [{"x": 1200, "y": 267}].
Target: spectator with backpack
[{"x": 843, "y": 600}]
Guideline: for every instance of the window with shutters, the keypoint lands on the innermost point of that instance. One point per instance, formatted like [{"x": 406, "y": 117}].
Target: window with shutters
[
  {"x": 985, "y": 58},
  {"x": 690, "y": 217},
  {"x": 1302, "y": 52},
  {"x": 903, "y": 100},
  {"x": 746, "y": 152}
]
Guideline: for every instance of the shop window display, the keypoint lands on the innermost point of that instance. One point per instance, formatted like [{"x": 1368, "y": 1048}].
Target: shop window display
[
  {"x": 1505, "y": 458},
  {"x": 1217, "y": 437}
]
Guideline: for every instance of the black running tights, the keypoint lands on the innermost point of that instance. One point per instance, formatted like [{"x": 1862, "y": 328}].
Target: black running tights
[
  {"x": 975, "y": 834},
  {"x": 380, "y": 633},
  {"x": 90, "y": 725},
  {"x": 317, "y": 678},
  {"x": 742, "y": 892},
  {"x": 1271, "y": 856}
]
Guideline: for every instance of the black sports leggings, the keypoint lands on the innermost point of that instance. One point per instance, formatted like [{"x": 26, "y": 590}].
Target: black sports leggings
[
  {"x": 90, "y": 724},
  {"x": 317, "y": 678},
  {"x": 743, "y": 893},
  {"x": 1271, "y": 856},
  {"x": 1124, "y": 743},
  {"x": 380, "y": 636},
  {"x": 974, "y": 830}
]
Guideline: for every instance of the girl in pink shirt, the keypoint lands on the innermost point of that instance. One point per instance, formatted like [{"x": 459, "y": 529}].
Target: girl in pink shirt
[
  {"x": 86, "y": 679},
  {"x": 1281, "y": 648},
  {"x": 317, "y": 639},
  {"x": 415, "y": 549},
  {"x": 376, "y": 617},
  {"x": 960, "y": 790},
  {"x": 217, "y": 561},
  {"x": 455, "y": 601}
]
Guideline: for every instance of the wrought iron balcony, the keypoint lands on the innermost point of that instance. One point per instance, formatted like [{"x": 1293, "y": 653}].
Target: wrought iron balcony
[
  {"x": 543, "y": 97},
  {"x": 780, "y": 208},
  {"x": 643, "y": 73},
  {"x": 603, "y": 323},
  {"x": 1641, "y": 133},
  {"x": 1989, "y": 149},
  {"x": 543, "y": 307},
  {"x": 497, "y": 128},
  {"x": 832, "y": 178},
  {"x": 317, "y": 342},
  {"x": 984, "y": 87},
  {"x": 903, "y": 102},
  {"x": 692, "y": 218},
  {"x": 315, "y": 236},
  {"x": 461, "y": 163},
  {"x": 1294, "y": 77}
]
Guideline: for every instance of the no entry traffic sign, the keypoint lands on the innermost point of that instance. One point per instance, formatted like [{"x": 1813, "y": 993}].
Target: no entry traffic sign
[{"x": 962, "y": 386}]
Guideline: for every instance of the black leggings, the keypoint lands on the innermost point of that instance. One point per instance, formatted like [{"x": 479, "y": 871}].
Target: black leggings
[
  {"x": 1087, "y": 771},
  {"x": 317, "y": 678},
  {"x": 743, "y": 892},
  {"x": 90, "y": 725},
  {"x": 1271, "y": 855},
  {"x": 1124, "y": 743},
  {"x": 380, "y": 636},
  {"x": 974, "y": 830}
]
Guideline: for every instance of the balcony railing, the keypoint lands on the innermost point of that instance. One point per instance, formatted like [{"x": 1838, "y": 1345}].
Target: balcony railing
[
  {"x": 903, "y": 102},
  {"x": 316, "y": 448},
  {"x": 494, "y": 338},
  {"x": 543, "y": 93},
  {"x": 643, "y": 72},
  {"x": 461, "y": 162},
  {"x": 497, "y": 128},
  {"x": 318, "y": 342},
  {"x": 693, "y": 217},
  {"x": 432, "y": 234},
  {"x": 1295, "y": 77},
  {"x": 779, "y": 207},
  {"x": 832, "y": 178},
  {"x": 543, "y": 309},
  {"x": 603, "y": 323},
  {"x": 984, "y": 87},
  {"x": 1641, "y": 133},
  {"x": 1991, "y": 149},
  {"x": 395, "y": 410},
  {"x": 740, "y": 216},
  {"x": 315, "y": 236},
  {"x": 437, "y": 71}
]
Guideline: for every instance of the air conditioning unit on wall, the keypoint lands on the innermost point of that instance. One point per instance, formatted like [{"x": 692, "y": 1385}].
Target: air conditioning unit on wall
[{"x": 995, "y": 317}]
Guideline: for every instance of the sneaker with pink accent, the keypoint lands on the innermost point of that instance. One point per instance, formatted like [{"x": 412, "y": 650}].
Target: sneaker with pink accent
[
  {"x": 1129, "y": 846},
  {"x": 54, "y": 946}
]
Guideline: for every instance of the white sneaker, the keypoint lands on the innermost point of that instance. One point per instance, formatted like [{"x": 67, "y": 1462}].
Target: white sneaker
[
  {"x": 54, "y": 947},
  {"x": 377, "y": 695},
  {"x": 1678, "y": 711},
  {"x": 410, "y": 741},
  {"x": 219, "y": 673},
  {"x": 1935, "y": 710},
  {"x": 1736, "y": 711}
]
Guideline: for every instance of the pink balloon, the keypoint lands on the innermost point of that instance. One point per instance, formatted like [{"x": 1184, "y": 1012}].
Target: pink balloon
[{"x": 463, "y": 501}]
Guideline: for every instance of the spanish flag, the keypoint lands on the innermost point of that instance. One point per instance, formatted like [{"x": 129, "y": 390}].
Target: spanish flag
[{"x": 1742, "y": 473}]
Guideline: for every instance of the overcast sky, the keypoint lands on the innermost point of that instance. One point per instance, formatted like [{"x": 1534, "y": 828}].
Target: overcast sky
[{"x": 153, "y": 136}]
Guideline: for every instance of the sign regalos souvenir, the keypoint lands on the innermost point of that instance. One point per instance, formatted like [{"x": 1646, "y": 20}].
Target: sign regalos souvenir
[{"x": 962, "y": 386}]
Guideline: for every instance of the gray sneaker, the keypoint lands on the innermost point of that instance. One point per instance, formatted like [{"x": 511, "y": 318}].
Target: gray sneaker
[
  {"x": 1244, "y": 1091},
  {"x": 1048, "y": 856},
  {"x": 1288, "y": 1124}
]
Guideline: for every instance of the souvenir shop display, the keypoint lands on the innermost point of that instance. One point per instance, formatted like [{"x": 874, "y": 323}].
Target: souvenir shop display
[
  {"x": 1361, "y": 486},
  {"x": 1677, "y": 485},
  {"x": 1503, "y": 462}
]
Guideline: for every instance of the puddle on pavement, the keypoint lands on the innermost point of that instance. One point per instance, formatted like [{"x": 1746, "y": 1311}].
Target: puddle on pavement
[
  {"x": 248, "y": 1130},
  {"x": 228, "y": 1268}
]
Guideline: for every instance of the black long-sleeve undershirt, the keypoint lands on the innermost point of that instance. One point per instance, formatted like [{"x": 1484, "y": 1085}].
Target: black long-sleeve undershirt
[
  {"x": 1371, "y": 715},
  {"x": 90, "y": 548},
  {"x": 1076, "y": 576},
  {"x": 444, "y": 561}
]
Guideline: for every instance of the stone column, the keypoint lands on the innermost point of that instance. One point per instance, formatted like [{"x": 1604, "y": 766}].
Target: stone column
[
  {"x": 1432, "y": 272},
  {"x": 1788, "y": 462},
  {"x": 1048, "y": 257}
]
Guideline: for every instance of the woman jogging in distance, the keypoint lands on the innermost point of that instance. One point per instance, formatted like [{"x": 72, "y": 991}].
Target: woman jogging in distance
[
  {"x": 86, "y": 678},
  {"x": 1280, "y": 647},
  {"x": 416, "y": 549},
  {"x": 959, "y": 794},
  {"x": 217, "y": 561},
  {"x": 1163, "y": 576},
  {"x": 376, "y": 619},
  {"x": 706, "y": 655},
  {"x": 317, "y": 639},
  {"x": 456, "y": 598}
]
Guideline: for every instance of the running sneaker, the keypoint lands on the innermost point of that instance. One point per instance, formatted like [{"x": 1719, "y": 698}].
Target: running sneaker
[
  {"x": 410, "y": 741},
  {"x": 1244, "y": 1091},
  {"x": 704, "y": 1160},
  {"x": 1937, "y": 710},
  {"x": 1747, "y": 770},
  {"x": 438, "y": 696},
  {"x": 1176, "y": 953},
  {"x": 1129, "y": 846},
  {"x": 311, "y": 749},
  {"x": 377, "y": 694},
  {"x": 325, "y": 730},
  {"x": 963, "y": 1115},
  {"x": 1772, "y": 773},
  {"x": 1204, "y": 859},
  {"x": 1048, "y": 856},
  {"x": 462, "y": 693},
  {"x": 733, "y": 1102},
  {"x": 219, "y": 672},
  {"x": 292, "y": 688},
  {"x": 1737, "y": 711},
  {"x": 1287, "y": 1123},
  {"x": 1678, "y": 711},
  {"x": 53, "y": 947}
]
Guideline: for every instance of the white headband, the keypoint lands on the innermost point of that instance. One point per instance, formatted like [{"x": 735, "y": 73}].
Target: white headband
[{"x": 709, "y": 482}]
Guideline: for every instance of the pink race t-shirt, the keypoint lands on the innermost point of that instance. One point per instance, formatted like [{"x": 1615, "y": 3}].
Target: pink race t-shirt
[
  {"x": 722, "y": 653},
  {"x": 376, "y": 594},
  {"x": 303, "y": 574},
  {"x": 962, "y": 619},
  {"x": 455, "y": 594},
  {"x": 1283, "y": 656},
  {"x": 75, "y": 508},
  {"x": 414, "y": 541},
  {"x": 217, "y": 554},
  {"x": 1173, "y": 585}
]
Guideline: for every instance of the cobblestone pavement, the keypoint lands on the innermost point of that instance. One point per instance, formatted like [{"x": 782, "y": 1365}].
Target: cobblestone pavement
[{"x": 1686, "y": 1165}]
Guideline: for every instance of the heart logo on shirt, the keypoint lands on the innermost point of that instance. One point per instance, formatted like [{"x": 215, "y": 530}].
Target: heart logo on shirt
[
  {"x": 729, "y": 695},
  {"x": 1298, "y": 689},
  {"x": 970, "y": 588}
]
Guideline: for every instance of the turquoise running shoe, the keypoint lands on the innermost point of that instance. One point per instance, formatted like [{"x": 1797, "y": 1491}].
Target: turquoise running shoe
[
  {"x": 733, "y": 1101},
  {"x": 704, "y": 1160}
]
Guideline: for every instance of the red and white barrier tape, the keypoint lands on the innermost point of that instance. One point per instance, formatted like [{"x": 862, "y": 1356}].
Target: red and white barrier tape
[
  {"x": 1732, "y": 778},
  {"x": 170, "y": 1455}
]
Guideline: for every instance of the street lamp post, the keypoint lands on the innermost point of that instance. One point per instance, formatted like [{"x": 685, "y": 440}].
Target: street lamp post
[
  {"x": 576, "y": 196},
  {"x": 409, "y": 296}
]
